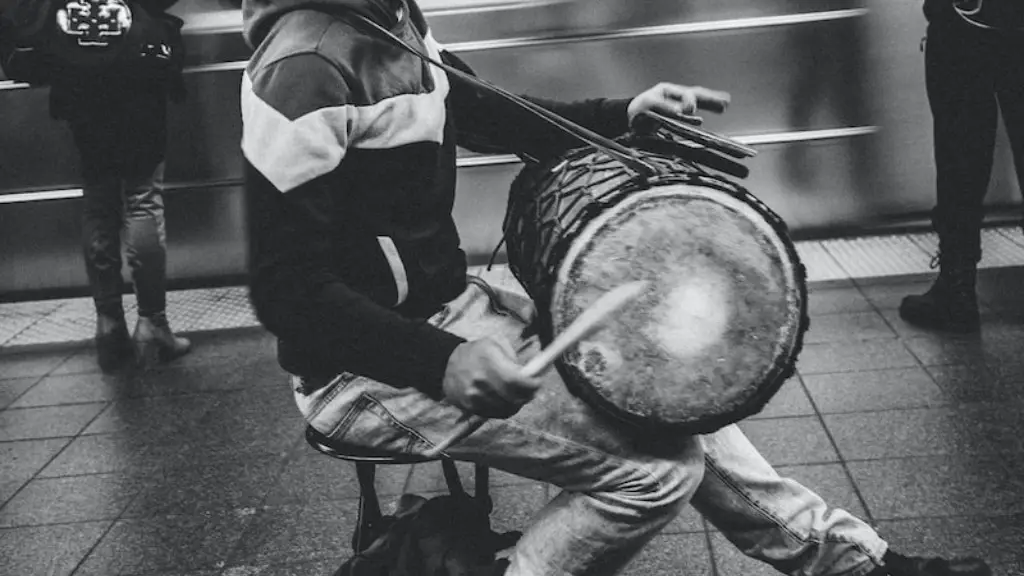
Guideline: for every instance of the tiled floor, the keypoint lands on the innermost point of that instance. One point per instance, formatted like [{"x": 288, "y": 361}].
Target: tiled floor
[{"x": 199, "y": 469}]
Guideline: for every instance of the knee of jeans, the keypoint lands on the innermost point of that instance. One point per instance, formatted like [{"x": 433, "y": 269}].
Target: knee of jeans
[{"x": 667, "y": 487}]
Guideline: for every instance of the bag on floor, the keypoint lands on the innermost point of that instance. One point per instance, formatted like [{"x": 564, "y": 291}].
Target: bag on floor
[{"x": 444, "y": 536}]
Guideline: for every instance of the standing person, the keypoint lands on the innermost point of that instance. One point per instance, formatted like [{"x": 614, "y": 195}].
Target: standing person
[
  {"x": 350, "y": 147},
  {"x": 974, "y": 66},
  {"x": 110, "y": 78}
]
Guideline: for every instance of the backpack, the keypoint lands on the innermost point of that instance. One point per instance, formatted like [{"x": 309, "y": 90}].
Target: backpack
[
  {"x": 444, "y": 536},
  {"x": 47, "y": 40}
]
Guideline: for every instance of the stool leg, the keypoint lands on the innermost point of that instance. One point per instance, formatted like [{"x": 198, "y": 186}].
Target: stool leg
[
  {"x": 483, "y": 486},
  {"x": 369, "y": 506},
  {"x": 451, "y": 476}
]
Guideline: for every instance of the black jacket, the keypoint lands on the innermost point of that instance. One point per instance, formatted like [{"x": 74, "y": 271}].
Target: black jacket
[{"x": 350, "y": 145}]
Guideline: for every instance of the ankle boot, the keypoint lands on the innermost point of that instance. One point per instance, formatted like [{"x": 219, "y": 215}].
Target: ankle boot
[
  {"x": 155, "y": 343},
  {"x": 951, "y": 304},
  {"x": 900, "y": 565},
  {"x": 113, "y": 345}
]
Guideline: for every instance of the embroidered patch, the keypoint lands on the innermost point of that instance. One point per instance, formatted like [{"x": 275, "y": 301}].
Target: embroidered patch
[{"x": 95, "y": 23}]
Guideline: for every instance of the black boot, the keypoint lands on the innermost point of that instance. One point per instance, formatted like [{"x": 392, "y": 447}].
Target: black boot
[
  {"x": 113, "y": 345},
  {"x": 899, "y": 565},
  {"x": 951, "y": 304}
]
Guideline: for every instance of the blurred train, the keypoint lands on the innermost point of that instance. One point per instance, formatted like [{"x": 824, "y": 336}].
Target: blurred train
[{"x": 831, "y": 93}]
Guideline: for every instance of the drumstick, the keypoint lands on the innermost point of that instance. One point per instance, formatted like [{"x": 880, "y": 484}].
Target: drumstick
[{"x": 590, "y": 321}]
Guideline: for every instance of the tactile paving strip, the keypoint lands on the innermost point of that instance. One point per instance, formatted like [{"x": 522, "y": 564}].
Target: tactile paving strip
[{"x": 72, "y": 320}]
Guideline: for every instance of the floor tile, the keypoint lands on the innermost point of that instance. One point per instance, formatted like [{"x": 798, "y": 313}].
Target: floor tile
[
  {"x": 846, "y": 327},
  {"x": 69, "y": 389},
  {"x": 314, "y": 477},
  {"x": 939, "y": 350},
  {"x": 973, "y": 429},
  {"x": 784, "y": 441},
  {"x": 853, "y": 356},
  {"x": 232, "y": 484},
  {"x": 997, "y": 540},
  {"x": 888, "y": 295},
  {"x": 327, "y": 567},
  {"x": 21, "y": 365},
  {"x": 790, "y": 400},
  {"x": 836, "y": 301},
  {"x": 675, "y": 554},
  {"x": 155, "y": 418},
  {"x": 106, "y": 453},
  {"x": 73, "y": 499},
  {"x": 874, "y": 390},
  {"x": 515, "y": 506},
  {"x": 292, "y": 533},
  {"x": 23, "y": 459},
  {"x": 47, "y": 550},
  {"x": 177, "y": 543},
  {"x": 50, "y": 422},
  {"x": 976, "y": 382},
  {"x": 11, "y": 389},
  {"x": 953, "y": 485}
]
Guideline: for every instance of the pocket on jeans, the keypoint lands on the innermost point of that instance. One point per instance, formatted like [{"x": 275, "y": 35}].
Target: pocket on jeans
[{"x": 369, "y": 424}]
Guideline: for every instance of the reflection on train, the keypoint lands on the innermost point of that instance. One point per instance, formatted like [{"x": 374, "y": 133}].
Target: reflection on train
[{"x": 831, "y": 92}]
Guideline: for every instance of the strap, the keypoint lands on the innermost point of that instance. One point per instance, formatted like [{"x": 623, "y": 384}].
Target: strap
[{"x": 626, "y": 156}]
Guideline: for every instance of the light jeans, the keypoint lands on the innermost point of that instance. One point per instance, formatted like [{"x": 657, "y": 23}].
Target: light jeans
[{"x": 618, "y": 489}]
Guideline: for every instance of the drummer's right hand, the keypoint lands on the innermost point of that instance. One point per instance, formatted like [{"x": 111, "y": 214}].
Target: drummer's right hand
[{"x": 484, "y": 378}]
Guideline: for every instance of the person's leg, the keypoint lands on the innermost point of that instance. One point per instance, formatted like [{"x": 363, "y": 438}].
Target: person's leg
[
  {"x": 961, "y": 91},
  {"x": 781, "y": 522},
  {"x": 101, "y": 236},
  {"x": 616, "y": 496},
  {"x": 143, "y": 141},
  {"x": 777, "y": 520},
  {"x": 1010, "y": 93}
]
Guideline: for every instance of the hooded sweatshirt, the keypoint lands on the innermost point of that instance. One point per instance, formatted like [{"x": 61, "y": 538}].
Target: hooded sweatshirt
[{"x": 350, "y": 148}]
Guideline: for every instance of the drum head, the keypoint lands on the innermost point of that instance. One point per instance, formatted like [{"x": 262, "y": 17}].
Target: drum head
[{"x": 718, "y": 329}]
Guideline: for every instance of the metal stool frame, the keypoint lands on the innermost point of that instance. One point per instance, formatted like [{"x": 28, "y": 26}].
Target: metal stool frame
[{"x": 366, "y": 462}]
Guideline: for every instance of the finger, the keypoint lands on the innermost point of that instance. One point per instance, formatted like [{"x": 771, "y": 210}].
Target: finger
[{"x": 712, "y": 100}]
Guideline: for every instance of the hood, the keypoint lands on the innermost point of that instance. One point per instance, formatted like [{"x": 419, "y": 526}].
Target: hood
[{"x": 259, "y": 15}]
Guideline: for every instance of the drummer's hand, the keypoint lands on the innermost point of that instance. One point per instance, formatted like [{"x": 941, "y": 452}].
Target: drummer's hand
[
  {"x": 675, "y": 100},
  {"x": 484, "y": 378}
]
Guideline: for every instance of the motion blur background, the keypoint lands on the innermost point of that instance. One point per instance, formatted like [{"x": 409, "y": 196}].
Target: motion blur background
[{"x": 831, "y": 92}]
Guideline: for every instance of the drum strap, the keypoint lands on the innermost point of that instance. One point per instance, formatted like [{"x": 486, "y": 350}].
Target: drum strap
[{"x": 623, "y": 154}]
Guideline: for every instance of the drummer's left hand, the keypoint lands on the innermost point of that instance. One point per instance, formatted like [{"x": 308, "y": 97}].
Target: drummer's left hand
[{"x": 676, "y": 100}]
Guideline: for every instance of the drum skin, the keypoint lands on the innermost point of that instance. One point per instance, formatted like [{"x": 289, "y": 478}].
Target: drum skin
[{"x": 721, "y": 324}]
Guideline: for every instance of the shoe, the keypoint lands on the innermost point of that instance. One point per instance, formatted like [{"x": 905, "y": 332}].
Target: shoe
[
  {"x": 899, "y": 565},
  {"x": 155, "y": 343},
  {"x": 951, "y": 304},
  {"x": 113, "y": 345}
]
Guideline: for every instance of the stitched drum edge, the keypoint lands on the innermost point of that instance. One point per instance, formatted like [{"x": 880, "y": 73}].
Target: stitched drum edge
[{"x": 781, "y": 371}]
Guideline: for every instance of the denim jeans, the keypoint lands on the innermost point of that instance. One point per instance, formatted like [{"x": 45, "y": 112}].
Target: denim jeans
[
  {"x": 618, "y": 489},
  {"x": 121, "y": 137}
]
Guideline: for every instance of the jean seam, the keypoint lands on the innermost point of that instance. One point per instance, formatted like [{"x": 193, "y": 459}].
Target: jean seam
[
  {"x": 365, "y": 401},
  {"x": 826, "y": 538},
  {"x": 329, "y": 397}
]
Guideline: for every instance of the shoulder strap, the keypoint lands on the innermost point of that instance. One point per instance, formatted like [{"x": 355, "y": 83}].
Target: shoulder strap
[{"x": 629, "y": 158}]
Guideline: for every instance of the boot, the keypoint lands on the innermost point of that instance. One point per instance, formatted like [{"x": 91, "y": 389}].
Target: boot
[
  {"x": 113, "y": 345},
  {"x": 951, "y": 304},
  {"x": 899, "y": 565},
  {"x": 155, "y": 343}
]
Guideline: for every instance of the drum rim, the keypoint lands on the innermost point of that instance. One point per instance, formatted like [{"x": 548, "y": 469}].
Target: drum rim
[{"x": 775, "y": 376}]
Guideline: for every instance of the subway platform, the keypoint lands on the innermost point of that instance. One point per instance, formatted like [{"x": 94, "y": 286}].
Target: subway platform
[{"x": 199, "y": 468}]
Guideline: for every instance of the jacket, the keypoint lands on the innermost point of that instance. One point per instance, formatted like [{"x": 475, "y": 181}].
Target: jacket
[{"x": 350, "y": 149}]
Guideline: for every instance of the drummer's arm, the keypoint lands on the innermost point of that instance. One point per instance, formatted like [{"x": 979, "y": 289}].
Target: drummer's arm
[
  {"x": 487, "y": 122},
  {"x": 295, "y": 287}
]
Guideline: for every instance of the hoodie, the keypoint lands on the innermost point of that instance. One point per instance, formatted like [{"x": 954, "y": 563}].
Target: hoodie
[{"x": 350, "y": 149}]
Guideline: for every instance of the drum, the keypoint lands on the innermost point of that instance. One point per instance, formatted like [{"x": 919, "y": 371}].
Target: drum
[{"x": 721, "y": 324}]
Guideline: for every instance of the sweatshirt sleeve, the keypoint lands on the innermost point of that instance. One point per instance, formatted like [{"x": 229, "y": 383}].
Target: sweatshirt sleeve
[
  {"x": 295, "y": 133},
  {"x": 489, "y": 123}
]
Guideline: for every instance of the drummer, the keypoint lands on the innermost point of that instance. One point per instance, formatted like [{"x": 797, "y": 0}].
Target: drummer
[{"x": 356, "y": 268}]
